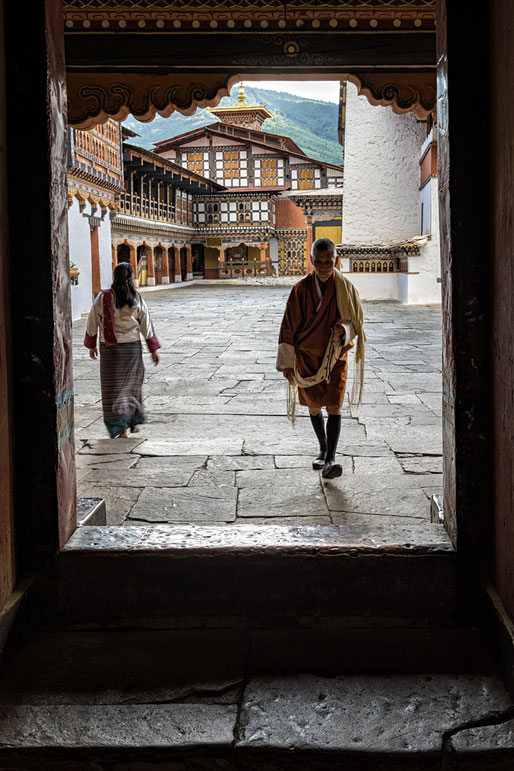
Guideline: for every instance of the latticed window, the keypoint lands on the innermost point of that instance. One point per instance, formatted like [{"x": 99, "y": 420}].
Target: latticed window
[
  {"x": 269, "y": 172},
  {"x": 305, "y": 179},
  {"x": 195, "y": 162},
  {"x": 231, "y": 164}
]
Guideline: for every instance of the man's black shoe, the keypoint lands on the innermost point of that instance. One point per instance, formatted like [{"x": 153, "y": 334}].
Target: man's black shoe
[{"x": 331, "y": 470}]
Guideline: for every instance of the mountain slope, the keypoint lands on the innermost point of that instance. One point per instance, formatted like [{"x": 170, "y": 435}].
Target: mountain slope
[{"x": 310, "y": 123}]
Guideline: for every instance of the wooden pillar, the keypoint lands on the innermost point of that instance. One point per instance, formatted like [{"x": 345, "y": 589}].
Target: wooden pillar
[
  {"x": 150, "y": 266},
  {"x": 308, "y": 245},
  {"x": 167, "y": 277},
  {"x": 133, "y": 259},
  {"x": 189, "y": 262},
  {"x": 7, "y": 561},
  {"x": 464, "y": 198},
  {"x": 114, "y": 256},
  {"x": 178, "y": 269},
  {"x": 502, "y": 342},
  {"x": 131, "y": 190},
  {"x": 96, "y": 284},
  {"x": 44, "y": 451}
]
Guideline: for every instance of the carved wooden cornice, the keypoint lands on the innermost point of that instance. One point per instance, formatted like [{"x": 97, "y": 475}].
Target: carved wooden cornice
[
  {"x": 409, "y": 91},
  {"x": 93, "y": 98}
]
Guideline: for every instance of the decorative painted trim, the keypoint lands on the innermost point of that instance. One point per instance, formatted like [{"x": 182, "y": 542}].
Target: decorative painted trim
[
  {"x": 145, "y": 16},
  {"x": 78, "y": 173}
]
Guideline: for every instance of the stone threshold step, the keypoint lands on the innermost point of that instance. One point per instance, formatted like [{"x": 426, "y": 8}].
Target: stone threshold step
[
  {"x": 402, "y": 722},
  {"x": 165, "y": 665},
  {"x": 107, "y": 574}
]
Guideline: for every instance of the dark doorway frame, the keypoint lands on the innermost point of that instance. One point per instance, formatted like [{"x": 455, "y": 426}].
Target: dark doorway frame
[{"x": 44, "y": 406}]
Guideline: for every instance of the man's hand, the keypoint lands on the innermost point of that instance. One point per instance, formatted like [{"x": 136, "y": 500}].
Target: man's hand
[
  {"x": 289, "y": 375},
  {"x": 155, "y": 357},
  {"x": 93, "y": 352}
]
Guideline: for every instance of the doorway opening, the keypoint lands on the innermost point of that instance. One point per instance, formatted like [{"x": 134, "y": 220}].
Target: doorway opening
[{"x": 218, "y": 413}]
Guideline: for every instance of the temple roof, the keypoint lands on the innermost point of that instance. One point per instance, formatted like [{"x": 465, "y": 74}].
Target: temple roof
[{"x": 241, "y": 113}]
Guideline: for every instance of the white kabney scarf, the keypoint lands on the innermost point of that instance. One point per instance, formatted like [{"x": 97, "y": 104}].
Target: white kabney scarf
[{"x": 350, "y": 309}]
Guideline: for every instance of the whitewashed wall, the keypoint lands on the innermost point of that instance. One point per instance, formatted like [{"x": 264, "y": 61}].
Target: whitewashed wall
[
  {"x": 80, "y": 254},
  {"x": 381, "y": 177},
  {"x": 421, "y": 286},
  {"x": 79, "y": 240},
  {"x": 105, "y": 248}
]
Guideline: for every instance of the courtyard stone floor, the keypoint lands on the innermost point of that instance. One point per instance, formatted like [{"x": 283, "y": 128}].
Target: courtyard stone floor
[{"x": 218, "y": 448}]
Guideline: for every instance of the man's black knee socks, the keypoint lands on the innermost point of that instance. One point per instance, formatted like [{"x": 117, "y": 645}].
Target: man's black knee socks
[
  {"x": 318, "y": 424},
  {"x": 333, "y": 432}
]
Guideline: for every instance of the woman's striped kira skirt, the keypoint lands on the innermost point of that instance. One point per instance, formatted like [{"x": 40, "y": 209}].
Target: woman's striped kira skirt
[{"x": 121, "y": 376}]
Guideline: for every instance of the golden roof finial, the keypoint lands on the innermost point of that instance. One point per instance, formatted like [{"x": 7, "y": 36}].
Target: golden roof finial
[{"x": 241, "y": 98}]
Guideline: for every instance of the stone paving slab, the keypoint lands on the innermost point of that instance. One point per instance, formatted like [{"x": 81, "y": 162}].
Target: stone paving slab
[
  {"x": 482, "y": 744},
  {"x": 304, "y": 462},
  {"x": 171, "y": 462},
  {"x": 208, "y": 505},
  {"x": 180, "y": 725},
  {"x": 421, "y": 465},
  {"x": 143, "y": 477},
  {"x": 397, "y": 503},
  {"x": 240, "y": 462},
  {"x": 106, "y": 461},
  {"x": 276, "y": 478},
  {"x": 118, "y": 500},
  {"x": 108, "y": 446},
  {"x": 387, "y": 465},
  {"x": 217, "y": 419},
  {"x": 192, "y": 446},
  {"x": 282, "y": 501},
  {"x": 400, "y": 714}
]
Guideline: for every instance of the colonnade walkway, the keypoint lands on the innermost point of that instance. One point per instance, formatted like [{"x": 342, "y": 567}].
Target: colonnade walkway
[{"x": 218, "y": 448}]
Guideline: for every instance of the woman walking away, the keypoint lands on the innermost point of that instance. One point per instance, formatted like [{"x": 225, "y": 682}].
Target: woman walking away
[{"x": 121, "y": 314}]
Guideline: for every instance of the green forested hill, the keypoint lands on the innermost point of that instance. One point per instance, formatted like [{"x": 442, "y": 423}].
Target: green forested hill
[{"x": 311, "y": 124}]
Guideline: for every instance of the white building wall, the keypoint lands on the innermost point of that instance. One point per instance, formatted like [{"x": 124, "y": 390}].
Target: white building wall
[
  {"x": 79, "y": 240},
  {"x": 420, "y": 285},
  {"x": 381, "y": 178},
  {"x": 105, "y": 248}
]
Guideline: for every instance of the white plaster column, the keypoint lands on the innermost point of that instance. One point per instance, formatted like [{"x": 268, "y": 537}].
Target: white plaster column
[
  {"x": 189, "y": 263},
  {"x": 381, "y": 173}
]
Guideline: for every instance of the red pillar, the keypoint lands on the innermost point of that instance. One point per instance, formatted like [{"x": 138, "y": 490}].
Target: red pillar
[
  {"x": 95, "y": 261},
  {"x": 150, "y": 266},
  {"x": 189, "y": 263}
]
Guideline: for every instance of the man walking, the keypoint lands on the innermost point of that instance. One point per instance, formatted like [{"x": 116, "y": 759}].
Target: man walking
[{"x": 322, "y": 317}]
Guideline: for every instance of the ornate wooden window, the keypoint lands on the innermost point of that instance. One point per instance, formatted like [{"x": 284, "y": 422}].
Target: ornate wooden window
[
  {"x": 195, "y": 162},
  {"x": 269, "y": 172},
  {"x": 292, "y": 256},
  {"x": 305, "y": 179},
  {"x": 231, "y": 164}
]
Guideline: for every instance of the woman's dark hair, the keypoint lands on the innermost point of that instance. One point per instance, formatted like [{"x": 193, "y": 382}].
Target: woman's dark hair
[{"x": 122, "y": 285}]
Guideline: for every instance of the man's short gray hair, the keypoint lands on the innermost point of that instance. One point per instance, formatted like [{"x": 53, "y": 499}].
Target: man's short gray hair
[{"x": 323, "y": 245}]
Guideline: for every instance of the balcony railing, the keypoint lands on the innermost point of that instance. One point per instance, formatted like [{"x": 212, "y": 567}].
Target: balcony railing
[
  {"x": 244, "y": 268},
  {"x": 148, "y": 208}
]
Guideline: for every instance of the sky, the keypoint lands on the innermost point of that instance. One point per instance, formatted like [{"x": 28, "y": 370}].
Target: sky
[{"x": 326, "y": 90}]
